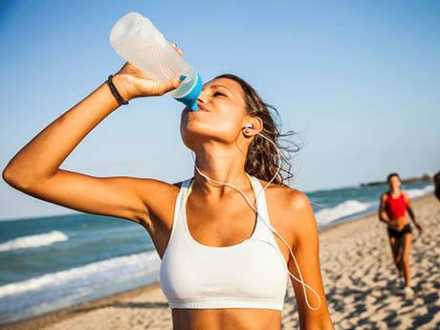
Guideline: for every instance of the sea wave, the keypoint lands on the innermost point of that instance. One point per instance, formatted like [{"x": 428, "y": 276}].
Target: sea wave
[
  {"x": 126, "y": 263},
  {"x": 341, "y": 210},
  {"x": 32, "y": 241},
  {"x": 419, "y": 192}
]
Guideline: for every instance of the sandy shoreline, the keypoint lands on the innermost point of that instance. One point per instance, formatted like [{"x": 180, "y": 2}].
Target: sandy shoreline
[{"x": 362, "y": 286}]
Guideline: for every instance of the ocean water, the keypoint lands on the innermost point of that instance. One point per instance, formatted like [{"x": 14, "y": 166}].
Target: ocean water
[{"x": 48, "y": 263}]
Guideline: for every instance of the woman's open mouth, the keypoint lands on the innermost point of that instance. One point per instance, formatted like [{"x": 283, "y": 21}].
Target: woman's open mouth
[{"x": 203, "y": 108}]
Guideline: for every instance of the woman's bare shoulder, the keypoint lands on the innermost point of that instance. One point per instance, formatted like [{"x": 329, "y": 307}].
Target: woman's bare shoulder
[
  {"x": 290, "y": 209},
  {"x": 383, "y": 196},
  {"x": 286, "y": 195},
  {"x": 159, "y": 197}
]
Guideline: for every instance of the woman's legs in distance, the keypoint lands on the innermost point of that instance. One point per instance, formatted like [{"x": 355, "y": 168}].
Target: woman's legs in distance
[
  {"x": 406, "y": 242},
  {"x": 395, "y": 248}
]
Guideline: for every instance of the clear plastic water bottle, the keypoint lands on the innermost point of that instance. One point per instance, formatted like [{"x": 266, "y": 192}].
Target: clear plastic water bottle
[{"x": 136, "y": 39}]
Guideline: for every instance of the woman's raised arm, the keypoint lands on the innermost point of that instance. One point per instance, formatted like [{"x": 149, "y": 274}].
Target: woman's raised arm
[{"x": 35, "y": 169}]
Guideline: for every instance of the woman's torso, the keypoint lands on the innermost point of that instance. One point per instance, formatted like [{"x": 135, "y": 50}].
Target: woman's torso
[
  {"x": 396, "y": 209},
  {"x": 206, "y": 233}
]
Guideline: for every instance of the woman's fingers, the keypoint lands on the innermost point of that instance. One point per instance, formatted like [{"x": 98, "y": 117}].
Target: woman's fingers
[
  {"x": 169, "y": 86},
  {"x": 139, "y": 83},
  {"x": 154, "y": 88}
]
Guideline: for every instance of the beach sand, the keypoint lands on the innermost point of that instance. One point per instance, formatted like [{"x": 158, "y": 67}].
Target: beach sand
[{"x": 362, "y": 285}]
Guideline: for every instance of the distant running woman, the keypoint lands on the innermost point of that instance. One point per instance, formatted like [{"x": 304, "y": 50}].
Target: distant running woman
[{"x": 394, "y": 207}]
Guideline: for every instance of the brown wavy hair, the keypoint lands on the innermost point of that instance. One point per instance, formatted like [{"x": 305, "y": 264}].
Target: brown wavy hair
[{"x": 262, "y": 159}]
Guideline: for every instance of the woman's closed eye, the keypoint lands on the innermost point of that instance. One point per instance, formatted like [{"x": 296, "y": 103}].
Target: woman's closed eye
[{"x": 219, "y": 93}]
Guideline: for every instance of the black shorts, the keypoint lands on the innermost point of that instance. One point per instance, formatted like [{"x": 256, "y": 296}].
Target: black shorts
[{"x": 407, "y": 229}]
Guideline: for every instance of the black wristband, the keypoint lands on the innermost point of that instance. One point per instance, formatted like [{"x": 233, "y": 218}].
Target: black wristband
[{"x": 114, "y": 91}]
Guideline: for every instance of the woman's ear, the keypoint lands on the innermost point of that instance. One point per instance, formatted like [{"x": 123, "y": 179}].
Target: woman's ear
[{"x": 253, "y": 126}]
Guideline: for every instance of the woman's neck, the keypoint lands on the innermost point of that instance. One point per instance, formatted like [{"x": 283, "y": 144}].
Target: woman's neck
[
  {"x": 216, "y": 186},
  {"x": 395, "y": 192}
]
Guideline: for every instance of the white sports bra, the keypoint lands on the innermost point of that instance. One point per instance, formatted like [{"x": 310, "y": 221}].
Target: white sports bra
[{"x": 250, "y": 274}]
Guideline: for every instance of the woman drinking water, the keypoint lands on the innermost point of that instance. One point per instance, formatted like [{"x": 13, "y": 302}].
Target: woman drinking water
[{"x": 223, "y": 266}]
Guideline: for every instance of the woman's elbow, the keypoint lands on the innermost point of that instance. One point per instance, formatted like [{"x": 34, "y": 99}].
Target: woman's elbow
[
  {"x": 326, "y": 324},
  {"x": 322, "y": 321}
]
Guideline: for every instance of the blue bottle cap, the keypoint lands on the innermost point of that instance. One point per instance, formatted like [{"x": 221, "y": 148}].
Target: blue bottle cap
[{"x": 190, "y": 99}]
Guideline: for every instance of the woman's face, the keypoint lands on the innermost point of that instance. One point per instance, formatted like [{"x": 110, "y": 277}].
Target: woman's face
[
  {"x": 221, "y": 114},
  {"x": 394, "y": 182}
]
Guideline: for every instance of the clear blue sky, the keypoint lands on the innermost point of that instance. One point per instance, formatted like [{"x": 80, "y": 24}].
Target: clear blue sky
[{"x": 359, "y": 81}]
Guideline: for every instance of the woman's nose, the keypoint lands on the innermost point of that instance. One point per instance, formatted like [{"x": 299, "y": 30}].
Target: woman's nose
[{"x": 201, "y": 99}]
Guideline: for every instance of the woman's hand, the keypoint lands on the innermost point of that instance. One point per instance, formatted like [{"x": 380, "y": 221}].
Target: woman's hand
[{"x": 132, "y": 82}]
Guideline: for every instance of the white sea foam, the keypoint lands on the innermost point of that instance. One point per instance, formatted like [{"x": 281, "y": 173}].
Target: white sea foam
[
  {"x": 130, "y": 263},
  {"x": 343, "y": 209},
  {"x": 32, "y": 241},
  {"x": 419, "y": 192}
]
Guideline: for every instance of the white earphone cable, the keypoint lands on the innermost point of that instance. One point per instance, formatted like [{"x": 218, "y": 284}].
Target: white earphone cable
[{"x": 305, "y": 285}]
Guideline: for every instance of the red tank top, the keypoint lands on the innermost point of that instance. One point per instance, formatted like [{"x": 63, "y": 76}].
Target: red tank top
[{"x": 395, "y": 207}]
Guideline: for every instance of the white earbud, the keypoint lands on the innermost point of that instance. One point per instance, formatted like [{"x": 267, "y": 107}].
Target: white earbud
[{"x": 245, "y": 127}]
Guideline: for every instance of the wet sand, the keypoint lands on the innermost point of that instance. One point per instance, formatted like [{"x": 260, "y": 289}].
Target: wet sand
[{"x": 362, "y": 285}]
